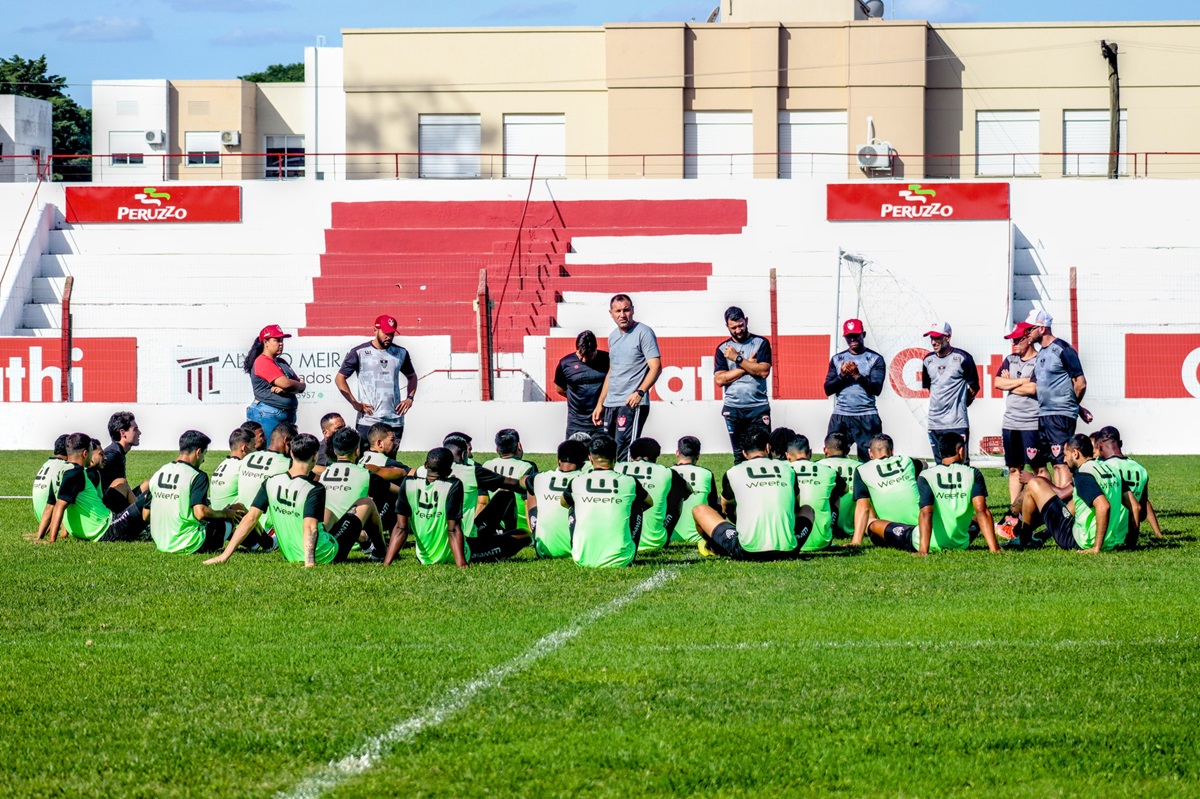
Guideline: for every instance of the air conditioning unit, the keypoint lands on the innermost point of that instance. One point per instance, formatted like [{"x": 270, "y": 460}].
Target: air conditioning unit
[
  {"x": 231, "y": 138},
  {"x": 875, "y": 157},
  {"x": 155, "y": 137}
]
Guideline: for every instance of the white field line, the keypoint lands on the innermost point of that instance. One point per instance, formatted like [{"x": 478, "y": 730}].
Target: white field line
[
  {"x": 984, "y": 643},
  {"x": 457, "y": 698}
]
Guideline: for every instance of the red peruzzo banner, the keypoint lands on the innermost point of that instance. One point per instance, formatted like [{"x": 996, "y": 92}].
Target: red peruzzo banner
[
  {"x": 689, "y": 362},
  {"x": 174, "y": 203},
  {"x": 102, "y": 370},
  {"x": 868, "y": 201},
  {"x": 1162, "y": 365}
]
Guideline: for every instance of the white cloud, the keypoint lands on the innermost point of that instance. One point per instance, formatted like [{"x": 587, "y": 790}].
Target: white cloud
[{"x": 97, "y": 29}]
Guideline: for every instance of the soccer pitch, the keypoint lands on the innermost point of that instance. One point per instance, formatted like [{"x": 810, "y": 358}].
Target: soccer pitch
[{"x": 128, "y": 673}]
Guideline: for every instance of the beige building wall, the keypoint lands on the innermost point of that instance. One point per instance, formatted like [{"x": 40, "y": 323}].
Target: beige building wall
[{"x": 214, "y": 106}]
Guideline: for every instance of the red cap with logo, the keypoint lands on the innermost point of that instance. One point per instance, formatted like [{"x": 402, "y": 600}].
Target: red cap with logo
[
  {"x": 853, "y": 327},
  {"x": 1019, "y": 331},
  {"x": 938, "y": 329},
  {"x": 272, "y": 331},
  {"x": 386, "y": 323}
]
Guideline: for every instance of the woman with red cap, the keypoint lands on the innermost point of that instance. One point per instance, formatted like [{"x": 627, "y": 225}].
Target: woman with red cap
[{"x": 275, "y": 384}]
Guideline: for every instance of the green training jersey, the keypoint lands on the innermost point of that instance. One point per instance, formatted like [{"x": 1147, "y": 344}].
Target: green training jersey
[
  {"x": 223, "y": 485},
  {"x": 1094, "y": 479},
  {"x": 345, "y": 483},
  {"x": 668, "y": 489},
  {"x": 606, "y": 517},
  {"x": 845, "y": 467},
  {"x": 255, "y": 469},
  {"x": 85, "y": 516},
  {"x": 1134, "y": 476},
  {"x": 174, "y": 490},
  {"x": 764, "y": 492},
  {"x": 950, "y": 489},
  {"x": 514, "y": 468},
  {"x": 430, "y": 506},
  {"x": 549, "y": 519},
  {"x": 891, "y": 485},
  {"x": 815, "y": 485},
  {"x": 291, "y": 500},
  {"x": 46, "y": 483},
  {"x": 703, "y": 491}
]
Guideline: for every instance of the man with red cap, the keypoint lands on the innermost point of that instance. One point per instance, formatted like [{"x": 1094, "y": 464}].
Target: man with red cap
[
  {"x": 379, "y": 364},
  {"x": 1019, "y": 428},
  {"x": 856, "y": 376}
]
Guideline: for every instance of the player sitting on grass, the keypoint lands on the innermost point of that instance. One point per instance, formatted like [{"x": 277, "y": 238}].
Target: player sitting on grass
[
  {"x": 665, "y": 486},
  {"x": 549, "y": 520},
  {"x": 837, "y": 451},
  {"x": 256, "y": 430},
  {"x": 79, "y": 507},
  {"x": 702, "y": 488},
  {"x": 819, "y": 488},
  {"x": 953, "y": 501},
  {"x": 1134, "y": 478},
  {"x": 1087, "y": 515},
  {"x": 431, "y": 506},
  {"x": 46, "y": 482},
  {"x": 346, "y": 483},
  {"x": 381, "y": 453},
  {"x": 760, "y": 507},
  {"x": 777, "y": 445},
  {"x": 477, "y": 483},
  {"x": 223, "y": 488},
  {"x": 330, "y": 424},
  {"x": 606, "y": 509},
  {"x": 114, "y": 484},
  {"x": 885, "y": 487},
  {"x": 181, "y": 519},
  {"x": 296, "y": 502},
  {"x": 505, "y": 510}
]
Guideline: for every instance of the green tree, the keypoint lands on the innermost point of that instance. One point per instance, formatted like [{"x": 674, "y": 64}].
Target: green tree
[
  {"x": 277, "y": 73},
  {"x": 72, "y": 123}
]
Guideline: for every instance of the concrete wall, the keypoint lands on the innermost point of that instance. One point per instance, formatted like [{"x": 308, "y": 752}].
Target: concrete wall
[
  {"x": 133, "y": 107},
  {"x": 26, "y": 129},
  {"x": 325, "y": 112}
]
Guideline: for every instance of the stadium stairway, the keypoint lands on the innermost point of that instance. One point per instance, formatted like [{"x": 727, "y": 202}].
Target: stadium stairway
[{"x": 431, "y": 253}]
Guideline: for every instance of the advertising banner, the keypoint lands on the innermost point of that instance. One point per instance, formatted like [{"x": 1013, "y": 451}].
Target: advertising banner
[
  {"x": 102, "y": 370},
  {"x": 1162, "y": 365},
  {"x": 877, "y": 201},
  {"x": 149, "y": 204}
]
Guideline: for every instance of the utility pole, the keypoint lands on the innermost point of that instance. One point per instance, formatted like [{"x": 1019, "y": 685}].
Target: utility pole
[{"x": 1109, "y": 51}]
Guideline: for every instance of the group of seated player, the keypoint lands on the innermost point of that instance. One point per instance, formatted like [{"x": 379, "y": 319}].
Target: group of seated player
[{"x": 316, "y": 499}]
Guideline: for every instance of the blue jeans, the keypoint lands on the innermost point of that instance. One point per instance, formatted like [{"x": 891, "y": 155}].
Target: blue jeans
[{"x": 269, "y": 417}]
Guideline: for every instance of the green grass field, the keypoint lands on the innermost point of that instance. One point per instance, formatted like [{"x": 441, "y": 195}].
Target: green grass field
[{"x": 128, "y": 673}]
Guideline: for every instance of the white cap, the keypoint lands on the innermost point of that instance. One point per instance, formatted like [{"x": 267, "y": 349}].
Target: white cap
[
  {"x": 938, "y": 329},
  {"x": 1039, "y": 319}
]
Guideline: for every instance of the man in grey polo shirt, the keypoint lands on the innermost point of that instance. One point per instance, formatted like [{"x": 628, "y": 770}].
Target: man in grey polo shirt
[
  {"x": 952, "y": 379},
  {"x": 1060, "y": 388},
  {"x": 379, "y": 363},
  {"x": 634, "y": 364},
  {"x": 741, "y": 365}
]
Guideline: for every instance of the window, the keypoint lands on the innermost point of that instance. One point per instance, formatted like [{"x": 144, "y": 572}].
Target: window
[
  {"x": 810, "y": 143},
  {"x": 1007, "y": 143},
  {"x": 449, "y": 145},
  {"x": 126, "y": 147},
  {"x": 285, "y": 157},
  {"x": 1086, "y": 132},
  {"x": 543, "y": 135},
  {"x": 203, "y": 148},
  {"x": 718, "y": 144}
]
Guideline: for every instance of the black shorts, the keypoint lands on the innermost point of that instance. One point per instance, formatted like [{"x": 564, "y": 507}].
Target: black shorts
[
  {"x": 346, "y": 531},
  {"x": 725, "y": 540},
  {"x": 216, "y": 533},
  {"x": 899, "y": 536},
  {"x": 1053, "y": 432},
  {"x": 1060, "y": 524},
  {"x": 859, "y": 429},
  {"x": 488, "y": 548},
  {"x": 1021, "y": 449},
  {"x": 128, "y": 525}
]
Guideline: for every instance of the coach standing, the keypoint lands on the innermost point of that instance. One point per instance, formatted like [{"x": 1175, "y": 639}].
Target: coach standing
[
  {"x": 742, "y": 365},
  {"x": 379, "y": 364},
  {"x": 634, "y": 364},
  {"x": 579, "y": 377},
  {"x": 1060, "y": 388},
  {"x": 952, "y": 379},
  {"x": 856, "y": 376}
]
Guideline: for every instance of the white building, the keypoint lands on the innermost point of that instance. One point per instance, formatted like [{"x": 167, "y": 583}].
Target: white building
[{"x": 26, "y": 137}]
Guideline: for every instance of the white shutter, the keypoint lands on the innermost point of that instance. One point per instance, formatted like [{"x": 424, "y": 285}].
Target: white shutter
[
  {"x": 543, "y": 135},
  {"x": 808, "y": 141},
  {"x": 1087, "y": 132},
  {"x": 1007, "y": 143},
  {"x": 718, "y": 144},
  {"x": 448, "y": 134}
]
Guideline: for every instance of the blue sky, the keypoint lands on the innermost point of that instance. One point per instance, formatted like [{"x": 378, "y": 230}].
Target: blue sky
[{"x": 196, "y": 39}]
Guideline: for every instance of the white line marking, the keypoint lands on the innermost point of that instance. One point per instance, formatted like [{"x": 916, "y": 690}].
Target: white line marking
[
  {"x": 1064, "y": 643},
  {"x": 337, "y": 772}
]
